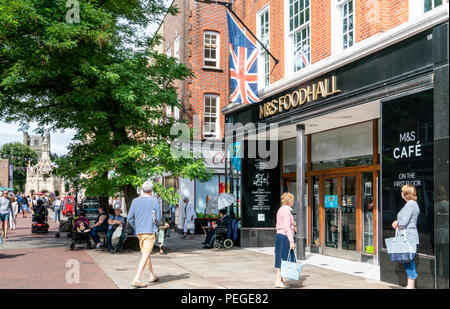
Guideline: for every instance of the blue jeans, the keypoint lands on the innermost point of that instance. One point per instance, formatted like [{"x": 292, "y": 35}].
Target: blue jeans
[
  {"x": 94, "y": 234},
  {"x": 411, "y": 270},
  {"x": 109, "y": 235},
  {"x": 57, "y": 216}
]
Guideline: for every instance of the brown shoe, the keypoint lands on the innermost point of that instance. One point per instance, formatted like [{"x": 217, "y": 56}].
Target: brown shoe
[{"x": 138, "y": 284}]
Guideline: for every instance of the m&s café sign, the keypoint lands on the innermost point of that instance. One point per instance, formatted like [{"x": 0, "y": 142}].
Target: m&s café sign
[{"x": 294, "y": 99}]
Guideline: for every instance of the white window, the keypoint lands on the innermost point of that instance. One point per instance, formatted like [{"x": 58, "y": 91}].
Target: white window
[
  {"x": 346, "y": 22},
  {"x": 211, "y": 49},
  {"x": 169, "y": 110},
  {"x": 211, "y": 116},
  {"x": 177, "y": 113},
  {"x": 263, "y": 30},
  {"x": 419, "y": 7},
  {"x": 298, "y": 39},
  {"x": 176, "y": 47},
  {"x": 428, "y": 5}
]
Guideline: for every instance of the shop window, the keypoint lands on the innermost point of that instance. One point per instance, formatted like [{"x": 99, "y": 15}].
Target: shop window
[
  {"x": 343, "y": 147},
  {"x": 211, "y": 116},
  {"x": 205, "y": 191},
  {"x": 299, "y": 33},
  {"x": 211, "y": 49},
  {"x": 264, "y": 36},
  {"x": 368, "y": 205},
  {"x": 346, "y": 21}
]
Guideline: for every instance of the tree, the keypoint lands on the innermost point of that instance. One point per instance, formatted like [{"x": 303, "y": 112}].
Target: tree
[
  {"x": 101, "y": 79},
  {"x": 19, "y": 155}
]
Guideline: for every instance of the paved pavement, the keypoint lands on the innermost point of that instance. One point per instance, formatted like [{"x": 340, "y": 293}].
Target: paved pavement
[
  {"x": 39, "y": 261},
  {"x": 42, "y": 261},
  {"x": 188, "y": 266}
]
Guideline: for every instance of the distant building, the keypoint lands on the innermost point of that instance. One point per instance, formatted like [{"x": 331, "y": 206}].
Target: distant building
[
  {"x": 35, "y": 142},
  {"x": 36, "y": 182},
  {"x": 6, "y": 174}
]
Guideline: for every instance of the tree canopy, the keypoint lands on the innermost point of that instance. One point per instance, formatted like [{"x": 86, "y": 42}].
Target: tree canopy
[{"x": 100, "y": 78}]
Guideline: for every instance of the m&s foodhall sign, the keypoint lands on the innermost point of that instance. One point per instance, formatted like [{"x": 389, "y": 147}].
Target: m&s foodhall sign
[{"x": 299, "y": 97}]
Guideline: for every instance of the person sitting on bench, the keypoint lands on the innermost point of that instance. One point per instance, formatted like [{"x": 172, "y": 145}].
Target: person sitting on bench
[
  {"x": 101, "y": 225},
  {"x": 115, "y": 221},
  {"x": 223, "y": 221}
]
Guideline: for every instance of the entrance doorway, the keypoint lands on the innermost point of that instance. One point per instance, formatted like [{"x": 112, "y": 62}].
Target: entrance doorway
[{"x": 340, "y": 203}]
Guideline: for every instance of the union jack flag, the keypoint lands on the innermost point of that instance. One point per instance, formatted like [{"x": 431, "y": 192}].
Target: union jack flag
[{"x": 243, "y": 65}]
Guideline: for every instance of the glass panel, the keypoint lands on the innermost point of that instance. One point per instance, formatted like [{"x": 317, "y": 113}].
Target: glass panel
[
  {"x": 428, "y": 5},
  {"x": 348, "y": 212},
  {"x": 307, "y": 15},
  {"x": 344, "y": 26},
  {"x": 350, "y": 38},
  {"x": 367, "y": 204},
  {"x": 315, "y": 212},
  {"x": 350, "y": 7},
  {"x": 290, "y": 156},
  {"x": 331, "y": 212},
  {"x": 350, "y": 22},
  {"x": 437, "y": 3},
  {"x": 302, "y": 18}
]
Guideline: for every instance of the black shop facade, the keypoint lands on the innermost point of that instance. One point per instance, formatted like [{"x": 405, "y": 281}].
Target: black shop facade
[{"x": 348, "y": 140}]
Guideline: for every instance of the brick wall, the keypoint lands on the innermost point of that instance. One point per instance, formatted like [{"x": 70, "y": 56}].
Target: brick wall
[{"x": 190, "y": 23}]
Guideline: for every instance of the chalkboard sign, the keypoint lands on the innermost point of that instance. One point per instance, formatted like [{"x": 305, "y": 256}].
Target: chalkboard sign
[
  {"x": 407, "y": 158},
  {"x": 260, "y": 193}
]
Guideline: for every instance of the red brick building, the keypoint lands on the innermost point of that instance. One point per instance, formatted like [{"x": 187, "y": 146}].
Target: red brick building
[{"x": 198, "y": 37}]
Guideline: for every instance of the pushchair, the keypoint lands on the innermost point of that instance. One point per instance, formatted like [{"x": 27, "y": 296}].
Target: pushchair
[
  {"x": 39, "y": 223},
  {"x": 80, "y": 237},
  {"x": 225, "y": 236}
]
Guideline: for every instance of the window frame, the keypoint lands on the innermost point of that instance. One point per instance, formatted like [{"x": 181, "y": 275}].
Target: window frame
[
  {"x": 217, "y": 116},
  {"x": 290, "y": 51},
  {"x": 264, "y": 59},
  {"x": 417, "y": 8},
  {"x": 217, "y": 34},
  {"x": 339, "y": 4},
  {"x": 176, "y": 44}
]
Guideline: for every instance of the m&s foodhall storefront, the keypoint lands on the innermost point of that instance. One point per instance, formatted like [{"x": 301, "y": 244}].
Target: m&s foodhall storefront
[{"x": 362, "y": 131}]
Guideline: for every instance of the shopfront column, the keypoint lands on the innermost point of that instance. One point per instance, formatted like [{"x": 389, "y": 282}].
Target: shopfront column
[{"x": 301, "y": 240}]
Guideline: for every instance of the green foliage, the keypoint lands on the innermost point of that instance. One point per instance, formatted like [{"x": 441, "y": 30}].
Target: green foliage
[
  {"x": 89, "y": 78},
  {"x": 19, "y": 155}
]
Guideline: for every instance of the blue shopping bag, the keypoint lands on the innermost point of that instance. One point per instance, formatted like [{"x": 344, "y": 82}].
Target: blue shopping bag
[
  {"x": 400, "y": 249},
  {"x": 290, "y": 270}
]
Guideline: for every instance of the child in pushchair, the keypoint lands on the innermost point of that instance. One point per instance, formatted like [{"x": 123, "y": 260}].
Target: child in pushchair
[{"x": 80, "y": 233}]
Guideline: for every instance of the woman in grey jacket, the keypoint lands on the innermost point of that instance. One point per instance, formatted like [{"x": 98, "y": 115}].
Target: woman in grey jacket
[{"x": 407, "y": 223}]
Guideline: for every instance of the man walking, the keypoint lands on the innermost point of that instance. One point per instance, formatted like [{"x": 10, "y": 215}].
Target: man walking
[
  {"x": 5, "y": 209},
  {"x": 144, "y": 216},
  {"x": 57, "y": 209}
]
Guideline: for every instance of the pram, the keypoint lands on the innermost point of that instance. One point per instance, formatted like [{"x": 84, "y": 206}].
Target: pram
[
  {"x": 39, "y": 218},
  {"x": 80, "y": 237}
]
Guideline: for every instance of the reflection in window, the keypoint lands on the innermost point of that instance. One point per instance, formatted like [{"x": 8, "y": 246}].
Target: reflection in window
[{"x": 367, "y": 203}]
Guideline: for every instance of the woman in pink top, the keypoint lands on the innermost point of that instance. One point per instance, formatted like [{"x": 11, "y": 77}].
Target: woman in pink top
[{"x": 284, "y": 239}]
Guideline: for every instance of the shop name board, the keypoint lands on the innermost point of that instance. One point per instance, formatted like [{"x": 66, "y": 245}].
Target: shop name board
[{"x": 294, "y": 99}]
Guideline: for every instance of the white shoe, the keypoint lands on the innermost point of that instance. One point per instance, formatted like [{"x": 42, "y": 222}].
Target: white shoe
[
  {"x": 280, "y": 284},
  {"x": 98, "y": 245}
]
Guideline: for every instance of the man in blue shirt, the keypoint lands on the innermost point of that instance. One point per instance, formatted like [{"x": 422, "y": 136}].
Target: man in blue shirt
[
  {"x": 115, "y": 221},
  {"x": 144, "y": 216}
]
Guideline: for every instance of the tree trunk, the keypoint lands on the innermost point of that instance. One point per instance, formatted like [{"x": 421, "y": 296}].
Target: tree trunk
[{"x": 130, "y": 194}]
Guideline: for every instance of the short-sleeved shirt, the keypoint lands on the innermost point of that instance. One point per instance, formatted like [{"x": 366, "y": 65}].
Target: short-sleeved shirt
[
  {"x": 407, "y": 220},
  {"x": 5, "y": 205},
  {"x": 117, "y": 218}
]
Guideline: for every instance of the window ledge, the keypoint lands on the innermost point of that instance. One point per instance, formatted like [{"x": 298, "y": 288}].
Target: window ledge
[{"x": 212, "y": 69}]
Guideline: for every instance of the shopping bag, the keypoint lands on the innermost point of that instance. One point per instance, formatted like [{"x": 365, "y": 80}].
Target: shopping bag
[
  {"x": 290, "y": 270},
  {"x": 400, "y": 249}
]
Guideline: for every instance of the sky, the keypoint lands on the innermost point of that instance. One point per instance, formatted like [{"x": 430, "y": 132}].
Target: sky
[{"x": 9, "y": 132}]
